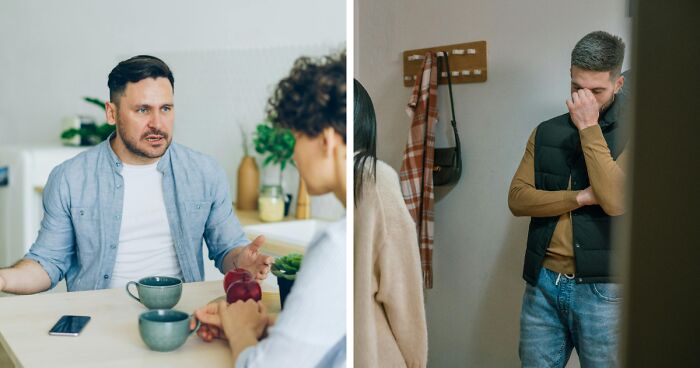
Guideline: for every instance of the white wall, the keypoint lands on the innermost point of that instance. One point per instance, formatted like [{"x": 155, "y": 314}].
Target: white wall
[
  {"x": 53, "y": 53},
  {"x": 473, "y": 309}
]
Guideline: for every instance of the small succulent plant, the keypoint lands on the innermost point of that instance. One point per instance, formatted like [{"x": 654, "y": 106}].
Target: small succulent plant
[{"x": 287, "y": 267}]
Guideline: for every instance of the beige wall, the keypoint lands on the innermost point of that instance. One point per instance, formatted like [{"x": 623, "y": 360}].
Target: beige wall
[
  {"x": 53, "y": 53},
  {"x": 473, "y": 310}
]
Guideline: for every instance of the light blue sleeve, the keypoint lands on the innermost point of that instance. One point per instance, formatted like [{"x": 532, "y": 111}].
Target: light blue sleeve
[
  {"x": 222, "y": 231},
  {"x": 55, "y": 244}
]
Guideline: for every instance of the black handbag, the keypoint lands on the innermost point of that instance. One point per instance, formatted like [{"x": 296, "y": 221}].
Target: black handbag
[{"x": 447, "y": 166}]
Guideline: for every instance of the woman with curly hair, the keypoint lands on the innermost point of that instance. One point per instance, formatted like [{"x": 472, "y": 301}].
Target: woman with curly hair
[
  {"x": 310, "y": 331},
  {"x": 390, "y": 327}
]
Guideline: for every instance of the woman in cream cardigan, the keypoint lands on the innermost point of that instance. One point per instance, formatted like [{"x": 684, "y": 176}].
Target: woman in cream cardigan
[{"x": 390, "y": 327}]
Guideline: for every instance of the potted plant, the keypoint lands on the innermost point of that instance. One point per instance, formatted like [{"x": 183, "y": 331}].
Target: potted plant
[
  {"x": 277, "y": 145},
  {"x": 286, "y": 269},
  {"x": 90, "y": 134}
]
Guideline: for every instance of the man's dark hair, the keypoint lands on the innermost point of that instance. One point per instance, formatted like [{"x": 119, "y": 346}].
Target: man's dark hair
[
  {"x": 312, "y": 97},
  {"x": 135, "y": 69},
  {"x": 599, "y": 51}
]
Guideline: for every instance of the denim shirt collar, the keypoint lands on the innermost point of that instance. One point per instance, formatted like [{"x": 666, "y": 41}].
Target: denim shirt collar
[{"x": 117, "y": 164}]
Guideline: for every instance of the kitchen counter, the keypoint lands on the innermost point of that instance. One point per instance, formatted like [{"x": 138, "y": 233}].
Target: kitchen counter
[
  {"x": 111, "y": 338},
  {"x": 272, "y": 247}
]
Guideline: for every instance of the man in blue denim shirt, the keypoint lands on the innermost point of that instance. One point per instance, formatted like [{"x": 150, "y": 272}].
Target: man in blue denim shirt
[{"x": 137, "y": 204}]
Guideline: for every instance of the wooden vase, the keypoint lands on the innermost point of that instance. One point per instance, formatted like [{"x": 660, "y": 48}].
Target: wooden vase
[
  {"x": 248, "y": 187},
  {"x": 303, "y": 202}
]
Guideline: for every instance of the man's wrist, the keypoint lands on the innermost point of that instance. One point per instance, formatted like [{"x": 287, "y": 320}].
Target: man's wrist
[
  {"x": 236, "y": 257},
  {"x": 586, "y": 125},
  {"x": 231, "y": 260}
]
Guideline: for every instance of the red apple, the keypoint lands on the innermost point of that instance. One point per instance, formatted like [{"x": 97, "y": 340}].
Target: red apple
[
  {"x": 243, "y": 290},
  {"x": 236, "y": 275}
]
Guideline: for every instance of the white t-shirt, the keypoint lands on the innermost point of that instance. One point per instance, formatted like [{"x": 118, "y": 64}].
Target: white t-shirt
[{"x": 145, "y": 245}]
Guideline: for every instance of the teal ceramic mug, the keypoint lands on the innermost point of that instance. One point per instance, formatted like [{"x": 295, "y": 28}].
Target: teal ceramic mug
[
  {"x": 165, "y": 329},
  {"x": 157, "y": 292}
]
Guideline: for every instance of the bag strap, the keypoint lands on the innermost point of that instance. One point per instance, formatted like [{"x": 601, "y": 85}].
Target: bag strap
[{"x": 452, "y": 106}]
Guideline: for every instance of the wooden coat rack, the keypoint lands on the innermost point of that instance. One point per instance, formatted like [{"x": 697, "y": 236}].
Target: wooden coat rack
[{"x": 467, "y": 63}]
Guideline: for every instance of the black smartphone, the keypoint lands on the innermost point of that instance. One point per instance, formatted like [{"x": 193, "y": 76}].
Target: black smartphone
[{"x": 69, "y": 325}]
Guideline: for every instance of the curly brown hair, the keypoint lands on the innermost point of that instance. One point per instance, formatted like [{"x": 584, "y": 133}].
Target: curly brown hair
[{"x": 312, "y": 97}]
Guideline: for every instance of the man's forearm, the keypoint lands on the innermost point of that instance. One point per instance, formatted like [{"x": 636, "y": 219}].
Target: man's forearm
[
  {"x": 25, "y": 277},
  {"x": 527, "y": 201},
  {"x": 606, "y": 177}
]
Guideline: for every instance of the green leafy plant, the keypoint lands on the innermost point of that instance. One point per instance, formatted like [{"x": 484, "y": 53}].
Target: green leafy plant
[
  {"x": 93, "y": 134},
  {"x": 276, "y": 143},
  {"x": 287, "y": 267}
]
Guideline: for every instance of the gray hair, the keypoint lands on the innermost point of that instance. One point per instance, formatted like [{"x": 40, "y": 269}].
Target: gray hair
[{"x": 599, "y": 51}]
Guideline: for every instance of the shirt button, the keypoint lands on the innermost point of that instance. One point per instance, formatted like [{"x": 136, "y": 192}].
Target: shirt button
[
  {"x": 199, "y": 206},
  {"x": 116, "y": 217},
  {"x": 580, "y": 279},
  {"x": 106, "y": 277},
  {"x": 118, "y": 164},
  {"x": 82, "y": 212},
  {"x": 119, "y": 186},
  {"x": 113, "y": 246},
  {"x": 578, "y": 245}
]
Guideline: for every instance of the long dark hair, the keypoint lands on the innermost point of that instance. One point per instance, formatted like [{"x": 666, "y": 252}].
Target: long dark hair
[{"x": 365, "y": 136}]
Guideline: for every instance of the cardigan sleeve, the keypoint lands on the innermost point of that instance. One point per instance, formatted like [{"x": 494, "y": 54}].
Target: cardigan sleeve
[{"x": 400, "y": 287}]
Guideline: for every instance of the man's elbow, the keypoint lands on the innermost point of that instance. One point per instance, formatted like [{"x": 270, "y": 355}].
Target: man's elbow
[
  {"x": 613, "y": 209},
  {"x": 515, "y": 208}
]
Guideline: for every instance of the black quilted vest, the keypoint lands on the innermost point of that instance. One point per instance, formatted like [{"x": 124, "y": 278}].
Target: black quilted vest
[{"x": 558, "y": 156}]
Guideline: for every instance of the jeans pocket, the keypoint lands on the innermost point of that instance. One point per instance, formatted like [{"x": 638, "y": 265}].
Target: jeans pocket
[{"x": 608, "y": 292}]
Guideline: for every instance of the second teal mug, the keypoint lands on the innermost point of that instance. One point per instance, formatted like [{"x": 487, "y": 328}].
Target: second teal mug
[{"x": 165, "y": 329}]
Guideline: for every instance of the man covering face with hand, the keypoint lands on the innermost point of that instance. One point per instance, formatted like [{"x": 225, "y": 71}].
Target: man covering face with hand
[{"x": 571, "y": 183}]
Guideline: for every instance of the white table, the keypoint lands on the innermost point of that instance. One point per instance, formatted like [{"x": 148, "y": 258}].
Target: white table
[{"x": 111, "y": 339}]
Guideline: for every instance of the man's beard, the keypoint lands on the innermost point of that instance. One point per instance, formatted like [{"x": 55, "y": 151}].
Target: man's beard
[
  {"x": 607, "y": 104},
  {"x": 132, "y": 146}
]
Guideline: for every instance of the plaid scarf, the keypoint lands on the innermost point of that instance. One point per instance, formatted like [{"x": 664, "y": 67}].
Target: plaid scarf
[{"x": 417, "y": 169}]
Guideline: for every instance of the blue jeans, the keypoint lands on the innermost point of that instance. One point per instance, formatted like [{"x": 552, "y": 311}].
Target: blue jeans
[{"x": 558, "y": 315}]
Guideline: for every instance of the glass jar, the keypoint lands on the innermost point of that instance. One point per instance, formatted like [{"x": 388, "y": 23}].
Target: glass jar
[{"x": 271, "y": 203}]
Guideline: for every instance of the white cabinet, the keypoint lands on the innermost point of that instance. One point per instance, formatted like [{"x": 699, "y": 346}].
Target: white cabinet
[{"x": 21, "y": 209}]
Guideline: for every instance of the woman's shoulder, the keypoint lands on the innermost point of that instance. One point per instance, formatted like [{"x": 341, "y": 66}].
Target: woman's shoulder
[
  {"x": 387, "y": 185},
  {"x": 381, "y": 189},
  {"x": 386, "y": 175}
]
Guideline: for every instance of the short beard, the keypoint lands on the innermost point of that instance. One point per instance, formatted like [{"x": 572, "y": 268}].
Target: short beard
[
  {"x": 132, "y": 146},
  {"x": 607, "y": 104}
]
